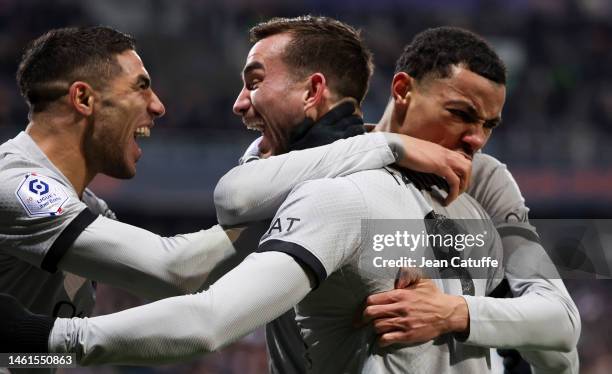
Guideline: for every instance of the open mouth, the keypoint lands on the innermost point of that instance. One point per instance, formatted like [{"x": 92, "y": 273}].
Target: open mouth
[
  {"x": 142, "y": 132},
  {"x": 255, "y": 126}
]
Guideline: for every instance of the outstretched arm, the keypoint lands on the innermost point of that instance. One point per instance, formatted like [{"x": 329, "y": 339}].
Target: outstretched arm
[
  {"x": 69, "y": 236},
  {"x": 260, "y": 289},
  {"x": 254, "y": 190},
  {"x": 144, "y": 263}
]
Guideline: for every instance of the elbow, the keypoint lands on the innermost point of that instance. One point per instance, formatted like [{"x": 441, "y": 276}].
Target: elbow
[
  {"x": 213, "y": 343},
  {"x": 571, "y": 319},
  {"x": 230, "y": 200},
  {"x": 181, "y": 282},
  {"x": 570, "y": 333}
]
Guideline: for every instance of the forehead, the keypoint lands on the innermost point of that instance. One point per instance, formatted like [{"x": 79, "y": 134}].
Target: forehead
[
  {"x": 268, "y": 52},
  {"x": 131, "y": 64},
  {"x": 486, "y": 96}
]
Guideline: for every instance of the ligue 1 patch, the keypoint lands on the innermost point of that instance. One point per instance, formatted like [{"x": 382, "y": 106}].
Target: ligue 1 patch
[{"x": 41, "y": 196}]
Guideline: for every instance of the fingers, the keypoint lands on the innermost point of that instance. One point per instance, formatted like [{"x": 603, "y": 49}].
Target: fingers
[
  {"x": 383, "y": 326},
  {"x": 454, "y": 184},
  {"x": 405, "y": 337},
  {"x": 457, "y": 173},
  {"x": 463, "y": 169},
  {"x": 388, "y": 297},
  {"x": 407, "y": 277},
  {"x": 397, "y": 309}
]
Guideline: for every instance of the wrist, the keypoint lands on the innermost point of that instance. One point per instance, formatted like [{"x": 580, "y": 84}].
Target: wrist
[{"x": 459, "y": 320}]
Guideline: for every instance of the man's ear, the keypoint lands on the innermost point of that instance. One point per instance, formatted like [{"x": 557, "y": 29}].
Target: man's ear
[
  {"x": 401, "y": 89},
  {"x": 81, "y": 96},
  {"x": 314, "y": 95}
]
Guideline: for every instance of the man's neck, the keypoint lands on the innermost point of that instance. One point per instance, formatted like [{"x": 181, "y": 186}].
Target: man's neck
[
  {"x": 386, "y": 121},
  {"x": 62, "y": 144},
  {"x": 341, "y": 121}
]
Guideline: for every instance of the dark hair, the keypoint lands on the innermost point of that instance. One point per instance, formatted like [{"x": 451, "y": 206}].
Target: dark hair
[
  {"x": 434, "y": 51},
  {"x": 326, "y": 45},
  {"x": 62, "y": 56}
]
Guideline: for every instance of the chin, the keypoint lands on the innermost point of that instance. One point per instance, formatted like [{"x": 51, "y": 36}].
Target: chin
[{"x": 124, "y": 171}]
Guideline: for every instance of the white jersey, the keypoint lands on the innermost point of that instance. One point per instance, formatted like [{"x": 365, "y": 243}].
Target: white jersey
[
  {"x": 41, "y": 216},
  {"x": 494, "y": 188},
  {"x": 38, "y": 206},
  {"x": 320, "y": 225}
]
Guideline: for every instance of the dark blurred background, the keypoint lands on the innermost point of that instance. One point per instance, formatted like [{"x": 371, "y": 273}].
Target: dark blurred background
[{"x": 555, "y": 136}]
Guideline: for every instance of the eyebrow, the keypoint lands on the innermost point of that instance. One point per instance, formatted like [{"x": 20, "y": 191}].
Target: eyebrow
[
  {"x": 252, "y": 66},
  {"x": 496, "y": 121}
]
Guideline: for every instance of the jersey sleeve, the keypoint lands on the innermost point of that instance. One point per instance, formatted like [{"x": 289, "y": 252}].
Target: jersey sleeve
[
  {"x": 145, "y": 263},
  {"x": 495, "y": 189},
  {"x": 319, "y": 225},
  {"x": 260, "y": 289},
  {"x": 255, "y": 190},
  {"x": 541, "y": 319},
  {"x": 41, "y": 217}
]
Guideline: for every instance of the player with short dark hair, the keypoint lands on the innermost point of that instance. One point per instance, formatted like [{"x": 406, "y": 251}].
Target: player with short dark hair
[
  {"x": 435, "y": 51},
  {"x": 61, "y": 56},
  {"x": 548, "y": 316}
]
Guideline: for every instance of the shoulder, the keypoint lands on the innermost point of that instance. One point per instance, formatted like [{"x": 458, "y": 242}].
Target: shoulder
[
  {"x": 33, "y": 191},
  {"x": 496, "y": 190},
  {"x": 484, "y": 165}
]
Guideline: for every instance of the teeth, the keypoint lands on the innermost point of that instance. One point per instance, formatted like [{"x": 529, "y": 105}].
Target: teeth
[
  {"x": 256, "y": 126},
  {"x": 142, "y": 132}
]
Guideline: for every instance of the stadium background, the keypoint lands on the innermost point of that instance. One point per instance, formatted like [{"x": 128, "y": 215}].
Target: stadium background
[{"x": 555, "y": 137}]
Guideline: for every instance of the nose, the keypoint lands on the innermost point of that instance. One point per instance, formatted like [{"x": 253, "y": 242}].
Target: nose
[
  {"x": 156, "y": 107},
  {"x": 242, "y": 103},
  {"x": 475, "y": 137}
]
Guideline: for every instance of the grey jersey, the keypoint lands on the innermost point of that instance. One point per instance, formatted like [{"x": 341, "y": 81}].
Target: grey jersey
[
  {"x": 495, "y": 189},
  {"x": 320, "y": 225},
  {"x": 38, "y": 204}
]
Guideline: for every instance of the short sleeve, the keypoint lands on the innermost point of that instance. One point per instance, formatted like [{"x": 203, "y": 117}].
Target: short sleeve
[
  {"x": 319, "y": 225},
  {"x": 41, "y": 216}
]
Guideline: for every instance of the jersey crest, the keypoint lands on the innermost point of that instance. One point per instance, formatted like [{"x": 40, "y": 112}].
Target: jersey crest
[{"x": 41, "y": 196}]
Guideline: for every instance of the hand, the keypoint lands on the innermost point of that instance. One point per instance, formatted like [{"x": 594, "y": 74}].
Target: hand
[
  {"x": 415, "y": 314},
  {"x": 427, "y": 157}
]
